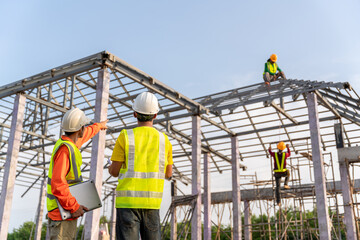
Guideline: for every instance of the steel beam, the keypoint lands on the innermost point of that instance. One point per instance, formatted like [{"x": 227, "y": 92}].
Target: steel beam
[
  {"x": 173, "y": 230},
  {"x": 40, "y": 211},
  {"x": 319, "y": 174},
  {"x": 196, "y": 178},
  {"x": 61, "y": 72},
  {"x": 157, "y": 86},
  {"x": 207, "y": 198},
  {"x": 256, "y": 194},
  {"x": 283, "y": 112},
  {"x": 247, "y": 221},
  {"x": 327, "y": 104},
  {"x": 344, "y": 155},
  {"x": 10, "y": 165},
  {"x": 98, "y": 147},
  {"x": 113, "y": 216},
  {"x": 236, "y": 197}
]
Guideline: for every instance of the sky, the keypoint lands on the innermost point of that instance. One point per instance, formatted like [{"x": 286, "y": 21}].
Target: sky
[{"x": 196, "y": 47}]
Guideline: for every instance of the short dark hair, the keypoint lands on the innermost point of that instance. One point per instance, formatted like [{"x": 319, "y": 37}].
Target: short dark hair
[
  {"x": 69, "y": 133},
  {"x": 144, "y": 117}
]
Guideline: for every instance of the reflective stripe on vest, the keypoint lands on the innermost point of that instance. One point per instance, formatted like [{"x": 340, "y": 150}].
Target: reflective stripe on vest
[
  {"x": 74, "y": 175},
  {"x": 271, "y": 67},
  {"x": 130, "y": 191},
  {"x": 280, "y": 168},
  {"x": 142, "y": 194},
  {"x": 131, "y": 160}
]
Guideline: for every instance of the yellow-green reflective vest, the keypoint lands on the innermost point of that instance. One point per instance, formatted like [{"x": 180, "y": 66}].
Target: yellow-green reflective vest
[
  {"x": 141, "y": 183},
  {"x": 280, "y": 167},
  {"x": 74, "y": 174},
  {"x": 272, "y": 68}
]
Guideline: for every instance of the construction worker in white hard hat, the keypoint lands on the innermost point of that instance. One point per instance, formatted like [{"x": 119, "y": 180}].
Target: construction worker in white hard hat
[
  {"x": 142, "y": 159},
  {"x": 280, "y": 167},
  {"x": 64, "y": 170},
  {"x": 272, "y": 71}
]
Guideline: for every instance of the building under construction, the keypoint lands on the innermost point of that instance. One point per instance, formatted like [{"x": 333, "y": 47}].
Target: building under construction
[{"x": 224, "y": 135}]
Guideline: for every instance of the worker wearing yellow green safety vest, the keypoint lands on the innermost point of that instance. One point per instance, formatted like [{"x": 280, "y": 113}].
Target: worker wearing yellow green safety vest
[
  {"x": 141, "y": 159},
  {"x": 65, "y": 170},
  {"x": 272, "y": 71},
  {"x": 280, "y": 167}
]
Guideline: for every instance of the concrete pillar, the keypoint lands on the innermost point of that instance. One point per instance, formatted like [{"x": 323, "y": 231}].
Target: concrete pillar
[
  {"x": 345, "y": 182},
  {"x": 113, "y": 217},
  {"x": 236, "y": 198},
  {"x": 97, "y": 153},
  {"x": 317, "y": 157},
  {"x": 173, "y": 230},
  {"x": 207, "y": 198},
  {"x": 196, "y": 178},
  {"x": 40, "y": 210},
  {"x": 13, "y": 148},
  {"x": 247, "y": 221}
]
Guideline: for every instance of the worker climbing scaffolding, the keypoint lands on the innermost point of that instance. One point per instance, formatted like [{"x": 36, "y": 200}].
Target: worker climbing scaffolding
[
  {"x": 272, "y": 71},
  {"x": 280, "y": 168}
]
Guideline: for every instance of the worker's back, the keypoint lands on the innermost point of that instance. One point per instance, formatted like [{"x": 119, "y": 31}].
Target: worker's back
[{"x": 141, "y": 182}]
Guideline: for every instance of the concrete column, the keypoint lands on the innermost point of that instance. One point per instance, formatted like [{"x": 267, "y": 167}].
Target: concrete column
[
  {"x": 207, "y": 198},
  {"x": 40, "y": 210},
  {"x": 196, "y": 178},
  {"x": 247, "y": 221},
  {"x": 173, "y": 230},
  {"x": 113, "y": 217},
  {"x": 13, "y": 148},
  {"x": 343, "y": 154},
  {"x": 236, "y": 198},
  {"x": 97, "y": 153},
  {"x": 317, "y": 157}
]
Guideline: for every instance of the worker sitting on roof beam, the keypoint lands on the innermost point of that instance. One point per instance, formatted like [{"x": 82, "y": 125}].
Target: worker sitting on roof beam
[
  {"x": 280, "y": 168},
  {"x": 272, "y": 71}
]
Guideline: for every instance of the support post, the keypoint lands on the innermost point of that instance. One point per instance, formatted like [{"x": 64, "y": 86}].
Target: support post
[
  {"x": 317, "y": 157},
  {"x": 40, "y": 210},
  {"x": 97, "y": 153},
  {"x": 236, "y": 198},
  {"x": 207, "y": 198},
  {"x": 345, "y": 184},
  {"x": 196, "y": 178},
  {"x": 247, "y": 221},
  {"x": 113, "y": 217},
  {"x": 173, "y": 230},
  {"x": 10, "y": 164}
]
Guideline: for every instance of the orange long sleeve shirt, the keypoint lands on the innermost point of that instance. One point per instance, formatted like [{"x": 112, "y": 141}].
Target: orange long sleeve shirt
[{"x": 61, "y": 167}]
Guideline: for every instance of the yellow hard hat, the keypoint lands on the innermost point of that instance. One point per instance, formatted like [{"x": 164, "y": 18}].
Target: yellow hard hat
[
  {"x": 273, "y": 57},
  {"x": 281, "y": 146}
]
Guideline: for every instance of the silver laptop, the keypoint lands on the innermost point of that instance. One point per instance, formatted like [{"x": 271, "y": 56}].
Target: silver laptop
[{"x": 85, "y": 194}]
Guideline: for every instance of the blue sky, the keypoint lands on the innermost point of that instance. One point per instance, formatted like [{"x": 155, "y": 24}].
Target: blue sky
[{"x": 197, "y": 47}]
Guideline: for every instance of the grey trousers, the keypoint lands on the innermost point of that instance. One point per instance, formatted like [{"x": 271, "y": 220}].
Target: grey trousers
[
  {"x": 270, "y": 78},
  {"x": 278, "y": 176}
]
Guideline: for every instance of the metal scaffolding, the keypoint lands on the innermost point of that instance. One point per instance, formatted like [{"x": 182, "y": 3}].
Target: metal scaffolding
[{"x": 230, "y": 128}]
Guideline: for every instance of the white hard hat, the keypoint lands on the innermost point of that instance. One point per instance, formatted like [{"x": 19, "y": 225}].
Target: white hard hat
[
  {"x": 146, "y": 103},
  {"x": 73, "y": 120}
]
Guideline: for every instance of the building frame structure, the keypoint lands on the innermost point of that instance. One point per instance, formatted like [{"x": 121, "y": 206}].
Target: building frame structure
[{"x": 232, "y": 127}]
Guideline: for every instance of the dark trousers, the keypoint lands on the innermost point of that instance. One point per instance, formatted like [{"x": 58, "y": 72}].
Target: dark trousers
[
  {"x": 278, "y": 176},
  {"x": 131, "y": 223}
]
